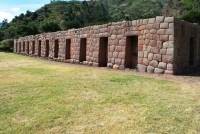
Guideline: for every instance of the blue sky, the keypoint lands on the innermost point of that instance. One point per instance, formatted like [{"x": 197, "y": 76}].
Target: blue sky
[{"x": 11, "y": 8}]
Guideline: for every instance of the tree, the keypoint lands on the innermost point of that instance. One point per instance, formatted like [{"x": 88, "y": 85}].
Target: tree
[
  {"x": 4, "y": 22},
  {"x": 193, "y": 16},
  {"x": 50, "y": 27}
]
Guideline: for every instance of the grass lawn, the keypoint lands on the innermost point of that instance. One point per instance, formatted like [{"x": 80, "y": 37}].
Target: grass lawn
[{"x": 40, "y": 96}]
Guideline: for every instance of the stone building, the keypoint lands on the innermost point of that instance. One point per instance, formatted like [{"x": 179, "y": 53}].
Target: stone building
[{"x": 155, "y": 45}]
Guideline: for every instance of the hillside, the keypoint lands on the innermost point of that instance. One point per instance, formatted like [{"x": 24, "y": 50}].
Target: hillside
[
  {"x": 0, "y": 24},
  {"x": 63, "y": 15}
]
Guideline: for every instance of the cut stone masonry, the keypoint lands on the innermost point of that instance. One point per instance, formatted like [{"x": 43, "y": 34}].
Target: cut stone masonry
[{"x": 163, "y": 45}]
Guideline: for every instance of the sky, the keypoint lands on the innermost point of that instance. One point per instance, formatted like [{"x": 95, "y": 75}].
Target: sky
[{"x": 11, "y": 8}]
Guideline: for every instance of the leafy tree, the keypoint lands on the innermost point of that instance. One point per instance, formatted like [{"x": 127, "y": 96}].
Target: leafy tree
[
  {"x": 50, "y": 27},
  {"x": 193, "y": 16},
  {"x": 4, "y": 22}
]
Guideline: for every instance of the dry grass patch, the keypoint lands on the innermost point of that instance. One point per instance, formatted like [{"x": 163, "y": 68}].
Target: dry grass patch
[{"x": 38, "y": 96}]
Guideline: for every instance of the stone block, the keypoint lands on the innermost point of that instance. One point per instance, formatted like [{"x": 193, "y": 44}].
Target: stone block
[
  {"x": 169, "y": 72},
  {"x": 169, "y": 19},
  {"x": 77, "y": 62},
  {"x": 163, "y": 51},
  {"x": 164, "y": 37},
  {"x": 119, "y": 37},
  {"x": 140, "y": 37},
  {"x": 153, "y": 43},
  {"x": 169, "y": 32},
  {"x": 159, "y": 71},
  {"x": 142, "y": 27},
  {"x": 147, "y": 41},
  {"x": 149, "y": 48},
  {"x": 118, "y": 48},
  {"x": 168, "y": 44},
  {"x": 109, "y": 65},
  {"x": 164, "y": 25},
  {"x": 171, "y": 25},
  {"x": 140, "y": 60},
  {"x": 140, "y": 42},
  {"x": 145, "y": 61},
  {"x": 146, "y": 31},
  {"x": 151, "y": 20},
  {"x": 110, "y": 54},
  {"x": 115, "y": 54},
  {"x": 123, "y": 49},
  {"x": 150, "y": 69},
  {"x": 122, "y": 63},
  {"x": 155, "y": 50},
  {"x": 118, "y": 61},
  {"x": 159, "y": 44},
  {"x": 113, "y": 37},
  {"x": 141, "y": 68},
  {"x": 85, "y": 62},
  {"x": 170, "y": 67},
  {"x": 167, "y": 58},
  {"x": 156, "y": 26},
  {"x": 90, "y": 63},
  {"x": 161, "y": 31},
  {"x": 170, "y": 51},
  {"x": 165, "y": 45},
  {"x": 115, "y": 66},
  {"x": 153, "y": 31},
  {"x": 145, "y": 54},
  {"x": 171, "y": 37},
  {"x": 155, "y": 37},
  {"x": 134, "y": 23},
  {"x": 149, "y": 26},
  {"x": 95, "y": 55},
  {"x": 72, "y": 60},
  {"x": 121, "y": 67},
  {"x": 145, "y": 21},
  {"x": 150, "y": 56},
  {"x": 149, "y": 36},
  {"x": 122, "y": 42},
  {"x": 144, "y": 48},
  {"x": 140, "y": 54},
  {"x": 140, "y": 47},
  {"x": 160, "y": 19},
  {"x": 157, "y": 57},
  {"x": 153, "y": 63},
  {"x": 121, "y": 55},
  {"x": 95, "y": 64},
  {"x": 162, "y": 65}
]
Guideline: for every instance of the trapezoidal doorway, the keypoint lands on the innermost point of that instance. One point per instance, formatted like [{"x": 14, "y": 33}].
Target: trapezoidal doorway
[
  {"x": 131, "y": 56},
  {"x": 56, "y": 49},
  {"x": 191, "y": 51},
  {"x": 103, "y": 52},
  {"x": 67, "y": 48},
  {"x": 28, "y": 47},
  {"x": 39, "y": 49},
  {"x": 47, "y": 49},
  {"x": 33, "y": 47},
  {"x": 82, "y": 56}
]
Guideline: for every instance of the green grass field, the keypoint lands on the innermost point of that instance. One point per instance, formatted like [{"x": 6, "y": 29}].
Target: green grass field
[{"x": 40, "y": 96}]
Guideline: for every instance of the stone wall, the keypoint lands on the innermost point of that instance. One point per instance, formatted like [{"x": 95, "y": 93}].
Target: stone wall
[
  {"x": 187, "y": 46},
  {"x": 145, "y": 44}
]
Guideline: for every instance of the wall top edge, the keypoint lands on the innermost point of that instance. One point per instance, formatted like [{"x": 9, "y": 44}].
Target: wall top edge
[{"x": 138, "y": 22}]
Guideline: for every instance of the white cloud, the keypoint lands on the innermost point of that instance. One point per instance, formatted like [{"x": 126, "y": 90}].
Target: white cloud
[
  {"x": 15, "y": 9},
  {"x": 6, "y": 15}
]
